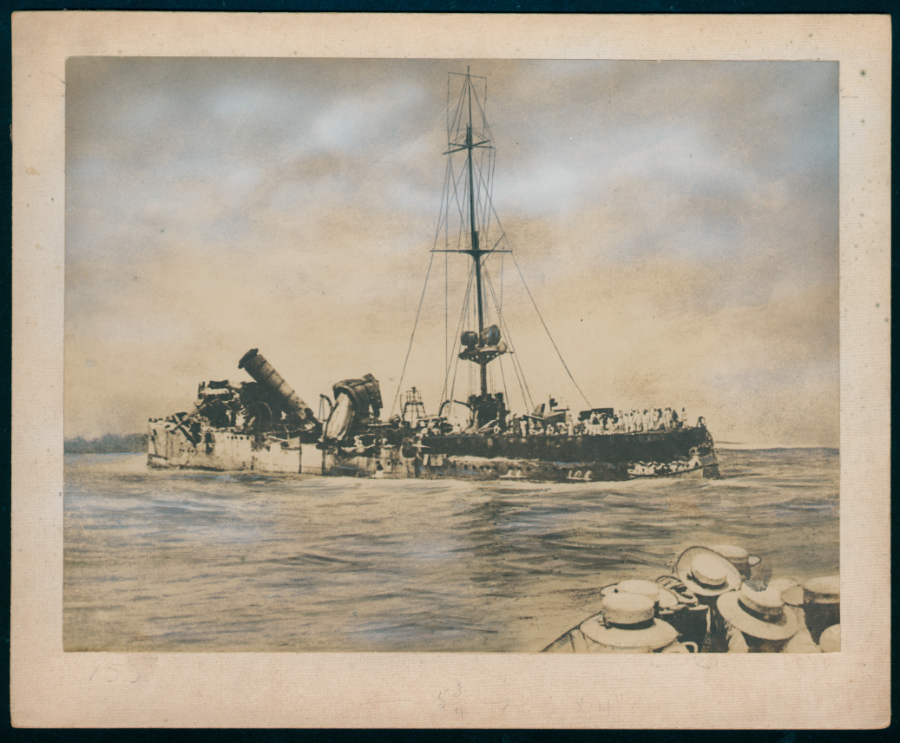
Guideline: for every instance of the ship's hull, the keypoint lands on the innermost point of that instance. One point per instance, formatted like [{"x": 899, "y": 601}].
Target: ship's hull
[
  {"x": 225, "y": 450},
  {"x": 546, "y": 458}
]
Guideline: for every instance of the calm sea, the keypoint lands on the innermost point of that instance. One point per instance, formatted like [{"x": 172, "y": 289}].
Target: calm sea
[{"x": 175, "y": 560}]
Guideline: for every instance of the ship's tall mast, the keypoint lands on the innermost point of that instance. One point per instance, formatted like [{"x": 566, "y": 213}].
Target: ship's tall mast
[
  {"x": 475, "y": 252},
  {"x": 485, "y": 345}
]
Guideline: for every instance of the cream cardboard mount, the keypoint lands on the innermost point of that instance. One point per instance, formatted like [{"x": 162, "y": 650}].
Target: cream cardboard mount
[{"x": 54, "y": 688}]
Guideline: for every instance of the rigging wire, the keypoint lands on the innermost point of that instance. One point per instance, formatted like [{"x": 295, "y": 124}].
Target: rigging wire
[
  {"x": 448, "y": 178},
  {"x": 540, "y": 317},
  {"x": 412, "y": 335},
  {"x": 446, "y": 310},
  {"x": 517, "y": 365},
  {"x": 484, "y": 208},
  {"x": 451, "y": 128},
  {"x": 448, "y": 108},
  {"x": 502, "y": 264},
  {"x": 458, "y": 201},
  {"x": 489, "y": 187},
  {"x": 489, "y": 206},
  {"x": 462, "y": 318},
  {"x": 503, "y": 379},
  {"x": 443, "y": 221},
  {"x": 443, "y": 217}
]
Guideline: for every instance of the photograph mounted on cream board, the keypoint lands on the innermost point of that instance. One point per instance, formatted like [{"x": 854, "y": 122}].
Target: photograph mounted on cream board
[{"x": 443, "y": 362}]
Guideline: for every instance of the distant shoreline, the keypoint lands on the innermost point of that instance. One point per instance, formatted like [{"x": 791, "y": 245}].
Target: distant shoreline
[{"x": 107, "y": 444}]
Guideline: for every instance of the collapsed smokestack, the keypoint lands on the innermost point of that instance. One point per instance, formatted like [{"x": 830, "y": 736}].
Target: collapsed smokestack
[{"x": 264, "y": 373}]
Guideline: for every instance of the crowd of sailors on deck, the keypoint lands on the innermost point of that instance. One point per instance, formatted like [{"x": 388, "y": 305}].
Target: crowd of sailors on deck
[
  {"x": 636, "y": 421},
  {"x": 598, "y": 424},
  {"x": 717, "y": 599},
  {"x": 564, "y": 423}
]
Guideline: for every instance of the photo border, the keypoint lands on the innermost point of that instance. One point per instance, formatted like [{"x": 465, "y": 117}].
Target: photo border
[{"x": 50, "y": 688}]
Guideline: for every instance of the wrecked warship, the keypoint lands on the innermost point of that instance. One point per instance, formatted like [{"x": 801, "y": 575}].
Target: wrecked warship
[{"x": 264, "y": 426}]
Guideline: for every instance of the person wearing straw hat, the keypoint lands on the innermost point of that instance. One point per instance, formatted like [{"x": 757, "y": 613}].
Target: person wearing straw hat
[
  {"x": 822, "y": 604},
  {"x": 708, "y": 575},
  {"x": 682, "y": 611},
  {"x": 817, "y": 604},
  {"x": 662, "y": 598},
  {"x": 690, "y": 617},
  {"x": 739, "y": 557},
  {"x": 830, "y": 639},
  {"x": 575, "y": 640},
  {"x": 758, "y": 622},
  {"x": 706, "y": 572},
  {"x": 791, "y": 591},
  {"x": 627, "y": 625}
]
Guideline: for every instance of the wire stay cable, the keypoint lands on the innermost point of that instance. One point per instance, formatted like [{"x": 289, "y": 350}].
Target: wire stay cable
[
  {"x": 412, "y": 336},
  {"x": 517, "y": 365},
  {"x": 549, "y": 335}
]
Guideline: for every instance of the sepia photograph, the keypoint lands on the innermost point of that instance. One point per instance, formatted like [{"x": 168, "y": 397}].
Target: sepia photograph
[
  {"x": 451, "y": 355},
  {"x": 376, "y": 371}
]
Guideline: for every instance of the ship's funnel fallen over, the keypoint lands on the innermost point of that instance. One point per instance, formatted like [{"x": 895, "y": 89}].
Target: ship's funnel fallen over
[
  {"x": 340, "y": 419},
  {"x": 264, "y": 373},
  {"x": 353, "y": 400}
]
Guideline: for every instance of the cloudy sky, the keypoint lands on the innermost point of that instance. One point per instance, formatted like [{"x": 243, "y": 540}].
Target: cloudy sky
[{"x": 676, "y": 222}]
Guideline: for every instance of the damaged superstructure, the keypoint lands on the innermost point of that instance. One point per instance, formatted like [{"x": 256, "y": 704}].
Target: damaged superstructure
[
  {"x": 264, "y": 426},
  {"x": 260, "y": 425}
]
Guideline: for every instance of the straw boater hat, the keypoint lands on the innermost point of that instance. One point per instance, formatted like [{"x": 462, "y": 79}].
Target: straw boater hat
[
  {"x": 627, "y": 623},
  {"x": 830, "y": 641},
  {"x": 823, "y": 590},
  {"x": 706, "y": 572},
  {"x": 790, "y": 591},
  {"x": 737, "y": 556},
  {"x": 759, "y": 614},
  {"x": 660, "y": 596}
]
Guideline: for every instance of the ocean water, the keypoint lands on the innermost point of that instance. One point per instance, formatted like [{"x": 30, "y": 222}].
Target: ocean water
[{"x": 160, "y": 560}]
